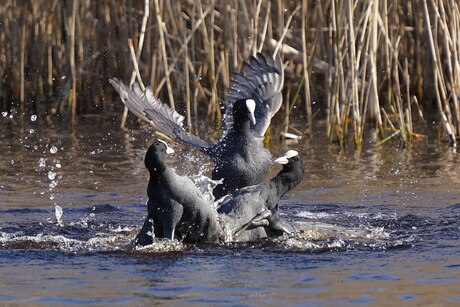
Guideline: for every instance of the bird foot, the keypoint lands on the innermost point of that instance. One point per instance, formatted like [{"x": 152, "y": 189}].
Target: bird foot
[{"x": 259, "y": 220}]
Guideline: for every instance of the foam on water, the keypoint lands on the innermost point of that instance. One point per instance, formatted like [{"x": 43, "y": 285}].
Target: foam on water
[
  {"x": 97, "y": 229},
  {"x": 162, "y": 246}
]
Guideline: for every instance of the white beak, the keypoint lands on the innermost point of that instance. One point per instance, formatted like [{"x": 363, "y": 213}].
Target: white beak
[
  {"x": 251, "y": 105},
  {"x": 284, "y": 159},
  {"x": 169, "y": 150}
]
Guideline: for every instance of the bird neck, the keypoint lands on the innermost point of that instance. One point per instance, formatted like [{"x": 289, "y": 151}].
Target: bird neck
[
  {"x": 156, "y": 175},
  {"x": 242, "y": 126},
  {"x": 156, "y": 169},
  {"x": 287, "y": 180}
]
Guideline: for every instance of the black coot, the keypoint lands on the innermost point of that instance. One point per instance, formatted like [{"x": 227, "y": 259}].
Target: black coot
[
  {"x": 251, "y": 102},
  {"x": 176, "y": 208},
  {"x": 246, "y": 210}
]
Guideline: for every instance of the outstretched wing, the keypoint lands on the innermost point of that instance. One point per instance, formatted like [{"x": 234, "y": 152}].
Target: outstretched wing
[
  {"x": 262, "y": 81},
  {"x": 145, "y": 106}
]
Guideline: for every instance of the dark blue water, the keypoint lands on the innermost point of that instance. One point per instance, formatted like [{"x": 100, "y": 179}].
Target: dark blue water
[{"x": 381, "y": 226}]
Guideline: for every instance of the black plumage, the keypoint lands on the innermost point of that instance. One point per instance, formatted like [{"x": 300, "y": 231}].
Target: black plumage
[
  {"x": 176, "y": 208},
  {"x": 246, "y": 210},
  {"x": 240, "y": 157}
]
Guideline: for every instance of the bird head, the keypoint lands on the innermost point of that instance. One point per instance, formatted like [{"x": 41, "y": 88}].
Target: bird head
[
  {"x": 155, "y": 155},
  {"x": 244, "y": 108}
]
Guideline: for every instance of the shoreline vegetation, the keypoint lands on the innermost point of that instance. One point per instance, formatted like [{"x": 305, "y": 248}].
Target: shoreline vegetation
[{"x": 354, "y": 65}]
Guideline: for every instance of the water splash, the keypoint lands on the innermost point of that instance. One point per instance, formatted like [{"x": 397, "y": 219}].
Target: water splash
[
  {"x": 58, "y": 212},
  {"x": 51, "y": 175},
  {"x": 206, "y": 185},
  {"x": 162, "y": 245}
]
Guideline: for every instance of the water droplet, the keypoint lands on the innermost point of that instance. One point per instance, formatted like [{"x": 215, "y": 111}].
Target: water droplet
[
  {"x": 51, "y": 175},
  {"x": 58, "y": 165},
  {"x": 53, "y": 150},
  {"x": 33, "y": 117},
  {"x": 52, "y": 185},
  {"x": 42, "y": 162},
  {"x": 31, "y": 131},
  {"x": 58, "y": 212},
  {"x": 12, "y": 161},
  {"x": 4, "y": 114}
]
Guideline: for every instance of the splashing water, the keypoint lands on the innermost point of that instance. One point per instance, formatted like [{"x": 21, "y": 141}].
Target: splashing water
[
  {"x": 206, "y": 185},
  {"x": 162, "y": 245},
  {"x": 58, "y": 212}
]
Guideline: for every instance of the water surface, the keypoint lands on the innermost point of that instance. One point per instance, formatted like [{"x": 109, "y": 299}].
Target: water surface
[{"x": 381, "y": 226}]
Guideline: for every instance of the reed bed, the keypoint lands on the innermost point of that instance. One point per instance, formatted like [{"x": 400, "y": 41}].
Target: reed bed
[{"x": 388, "y": 65}]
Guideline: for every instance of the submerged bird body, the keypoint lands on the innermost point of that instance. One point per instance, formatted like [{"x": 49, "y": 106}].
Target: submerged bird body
[
  {"x": 176, "y": 207},
  {"x": 243, "y": 205},
  {"x": 240, "y": 157}
]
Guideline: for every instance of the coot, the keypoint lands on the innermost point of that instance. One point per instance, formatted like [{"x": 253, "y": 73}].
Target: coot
[
  {"x": 240, "y": 157},
  {"x": 249, "y": 213},
  {"x": 176, "y": 208}
]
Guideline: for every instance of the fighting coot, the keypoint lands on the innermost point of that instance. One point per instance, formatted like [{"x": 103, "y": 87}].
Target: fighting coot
[
  {"x": 251, "y": 102},
  {"x": 244, "y": 211},
  {"x": 176, "y": 208}
]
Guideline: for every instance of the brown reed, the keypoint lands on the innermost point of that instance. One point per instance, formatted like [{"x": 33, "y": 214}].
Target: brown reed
[{"x": 361, "y": 65}]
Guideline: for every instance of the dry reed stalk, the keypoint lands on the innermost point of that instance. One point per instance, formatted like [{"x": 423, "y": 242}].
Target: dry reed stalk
[
  {"x": 161, "y": 29},
  {"x": 353, "y": 75},
  {"x": 135, "y": 64},
  {"x": 49, "y": 51},
  {"x": 451, "y": 60},
  {"x": 332, "y": 86},
  {"x": 373, "y": 100},
  {"x": 188, "y": 97},
  {"x": 264, "y": 31},
  {"x": 255, "y": 28},
  {"x": 306, "y": 75},
  {"x": 234, "y": 19},
  {"x": 138, "y": 55},
  {"x": 214, "y": 72},
  {"x": 22, "y": 65},
  {"x": 408, "y": 117},
  {"x": 397, "y": 102},
  {"x": 285, "y": 30},
  {"x": 171, "y": 67},
  {"x": 73, "y": 69},
  {"x": 439, "y": 84},
  {"x": 414, "y": 100},
  {"x": 385, "y": 114}
]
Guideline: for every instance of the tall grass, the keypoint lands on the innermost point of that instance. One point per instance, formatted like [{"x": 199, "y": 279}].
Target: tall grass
[{"x": 384, "y": 65}]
